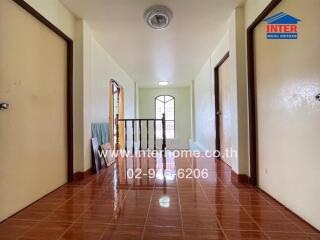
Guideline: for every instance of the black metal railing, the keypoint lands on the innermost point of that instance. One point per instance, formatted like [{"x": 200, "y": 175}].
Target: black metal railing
[{"x": 139, "y": 121}]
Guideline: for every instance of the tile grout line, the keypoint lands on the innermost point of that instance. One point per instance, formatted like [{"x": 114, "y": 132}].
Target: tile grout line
[
  {"x": 33, "y": 225},
  {"x": 291, "y": 221},
  {"x": 272, "y": 207},
  {"x": 75, "y": 221},
  {"x": 218, "y": 221},
  {"x": 254, "y": 221},
  {"x": 94, "y": 184},
  {"x": 241, "y": 206},
  {"x": 180, "y": 210},
  {"x": 219, "y": 224},
  {"x": 108, "y": 224},
  {"x": 37, "y": 222},
  {"x": 145, "y": 222}
]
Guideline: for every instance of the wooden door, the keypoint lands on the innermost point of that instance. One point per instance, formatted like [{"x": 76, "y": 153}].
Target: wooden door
[
  {"x": 287, "y": 79},
  {"x": 33, "y": 130},
  {"x": 225, "y": 110}
]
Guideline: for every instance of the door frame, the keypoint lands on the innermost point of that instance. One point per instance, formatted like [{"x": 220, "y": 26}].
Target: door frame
[
  {"x": 217, "y": 99},
  {"x": 253, "y": 131},
  {"x": 69, "y": 82},
  {"x": 111, "y": 113}
]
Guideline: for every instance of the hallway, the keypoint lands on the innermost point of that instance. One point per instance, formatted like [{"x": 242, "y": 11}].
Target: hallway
[
  {"x": 236, "y": 79},
  {"x": 110, "y": 205}
]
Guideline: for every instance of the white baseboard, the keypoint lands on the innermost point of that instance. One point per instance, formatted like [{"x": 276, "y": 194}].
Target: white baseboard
[{"x": 196, "y": 146}]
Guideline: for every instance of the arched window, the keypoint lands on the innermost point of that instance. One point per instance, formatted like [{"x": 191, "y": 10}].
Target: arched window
[{"x": 165, "y": 104}]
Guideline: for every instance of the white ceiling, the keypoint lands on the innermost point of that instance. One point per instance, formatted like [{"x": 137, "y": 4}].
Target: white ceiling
[{"x": 175, "y": 54}]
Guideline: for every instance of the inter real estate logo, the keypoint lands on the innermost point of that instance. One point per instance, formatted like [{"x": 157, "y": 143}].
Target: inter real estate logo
[{"x": 282, "y": 26}]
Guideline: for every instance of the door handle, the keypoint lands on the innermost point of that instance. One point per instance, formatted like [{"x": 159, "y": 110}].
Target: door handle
[
  {"x": 4, "y": 106},
  {"x": 218, "y": 113}
]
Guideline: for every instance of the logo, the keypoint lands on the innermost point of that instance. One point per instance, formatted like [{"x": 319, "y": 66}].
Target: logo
[{"x": 282, "y": 26}]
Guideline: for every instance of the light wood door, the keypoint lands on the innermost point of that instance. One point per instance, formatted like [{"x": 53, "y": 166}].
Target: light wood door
[
  {"x": 116, "y": 107},
  {"x": 225, "y": 111},
  {"x": 288, "y": 113},
  {"x": 33, "y": 131}
]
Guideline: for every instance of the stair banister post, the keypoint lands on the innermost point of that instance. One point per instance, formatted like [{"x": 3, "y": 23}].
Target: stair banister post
[
  {"x": 154, "y": 135},
  {"x": 126, "y": 136},
  {"x": 117, "y": 132},
  {"x": 163, "y": 133}
]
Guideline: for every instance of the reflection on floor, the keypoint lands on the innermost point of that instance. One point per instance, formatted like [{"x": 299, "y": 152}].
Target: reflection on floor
[{"x": 114, "y": 205}]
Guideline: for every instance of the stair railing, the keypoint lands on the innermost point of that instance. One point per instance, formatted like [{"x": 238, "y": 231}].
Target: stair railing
[{"x": 140, "y": 120}]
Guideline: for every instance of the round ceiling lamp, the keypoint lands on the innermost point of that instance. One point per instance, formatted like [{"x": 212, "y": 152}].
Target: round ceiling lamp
[
  {"x": 158, "y": 17},
  {"x": 163, "y": 83}
]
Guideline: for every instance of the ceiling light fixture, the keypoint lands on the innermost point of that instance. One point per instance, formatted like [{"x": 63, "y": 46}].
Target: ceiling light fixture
[
  {"x": 158, "y": 17},
  {"x": 163, "y": 83}
]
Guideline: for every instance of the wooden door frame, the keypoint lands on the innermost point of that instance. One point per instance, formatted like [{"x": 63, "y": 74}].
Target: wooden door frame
[
  {"x": 121, "y": 113},
  {"x": 69, "y": 83},
  {"x": 217, "y": 99},
  {"x": 252, "y": 92}
]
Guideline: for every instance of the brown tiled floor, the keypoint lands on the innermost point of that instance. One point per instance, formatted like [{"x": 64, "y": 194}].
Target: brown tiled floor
[{"x": 111, "y": 206}]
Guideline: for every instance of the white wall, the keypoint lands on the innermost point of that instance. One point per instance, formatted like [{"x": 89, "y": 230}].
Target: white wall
[
  {"x": 239, "y": 88},
  {"x": 192, "y": 111},
  {"x": 136, "y": 100},
  {"x": 204, "y": 106},
  {"x": 182, "y": 113},
  {"x": 252, "y": 9},
  {"x": 99, "y": 68},
  {"x": 78, "y": 98},
  {"x": 232, "y": 41},
  {"x": 57, "y": 14},
  {"x": 204, "y": 98}
]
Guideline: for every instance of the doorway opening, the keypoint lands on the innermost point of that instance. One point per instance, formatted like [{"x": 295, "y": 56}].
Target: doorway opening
[{"x": 222, "y": 107}]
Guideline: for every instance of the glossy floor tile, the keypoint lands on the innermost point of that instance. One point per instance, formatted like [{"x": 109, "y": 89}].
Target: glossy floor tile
[{"x": 156, "y": 198}]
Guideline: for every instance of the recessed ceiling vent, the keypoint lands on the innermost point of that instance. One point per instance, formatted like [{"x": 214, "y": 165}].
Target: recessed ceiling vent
[{"x": 158, "y": 17}]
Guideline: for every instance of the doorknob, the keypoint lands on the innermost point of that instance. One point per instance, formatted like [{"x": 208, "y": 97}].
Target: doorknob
[
  {"x": 218, "y": 113},
  {"x": 4, "y": 106}
]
